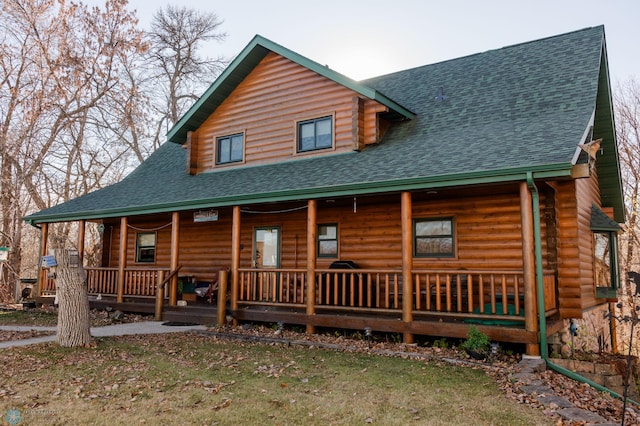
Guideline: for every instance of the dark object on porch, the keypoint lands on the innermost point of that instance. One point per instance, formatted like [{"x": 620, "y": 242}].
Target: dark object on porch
[{"x": 328, "y": 285}]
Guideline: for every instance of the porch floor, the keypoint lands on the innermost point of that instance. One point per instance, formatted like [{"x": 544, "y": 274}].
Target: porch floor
[{"x": 204, "y": 313}]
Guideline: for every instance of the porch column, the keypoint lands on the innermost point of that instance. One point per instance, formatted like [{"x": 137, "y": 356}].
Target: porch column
[
  {"x": 528, "y": 263},
  {"x": 312, "y": 230},
  {"x": 175, "y": 235},
  {"x": 235, "y": 258},
  {"x": 81, "y": 232},
  {"x": 42, "y": 273},
  {"x": 407, "y": 263},
  {"x": 122, "y": 259}
]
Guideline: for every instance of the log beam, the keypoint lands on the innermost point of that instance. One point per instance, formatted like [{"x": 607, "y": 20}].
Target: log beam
[
  {"x": 175, "y": 238},
  {"x": 312, "y": 231},
  {"x": 235, "y": 257},
  {"x": 122, "y": 259},
  {"x": 407, "y": 263},
  {"x": 42, "y": 273},
  {"x": 528, "y": 259}
]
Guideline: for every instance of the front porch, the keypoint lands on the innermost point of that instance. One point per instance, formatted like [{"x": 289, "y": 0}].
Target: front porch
[{"x": 442, "y": 303}]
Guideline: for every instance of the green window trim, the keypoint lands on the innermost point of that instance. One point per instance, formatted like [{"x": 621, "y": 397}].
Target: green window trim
[
  {"x": 230, "y": 149},
  {"x": 606, "y": 264},
  {"x": 434, "y": 237},
  {"x": 315, "y": 134},
  {"x": 327, "y": 240}
]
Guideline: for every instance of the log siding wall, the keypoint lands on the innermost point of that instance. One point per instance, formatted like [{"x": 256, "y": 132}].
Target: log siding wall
[
  {"x": 269, "y": 102},
  {"x": 487, "y": 235},
  {"x": 576, "y": 289}
]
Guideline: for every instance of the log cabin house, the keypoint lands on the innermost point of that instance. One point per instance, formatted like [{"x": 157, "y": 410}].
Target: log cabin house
[{"x": 481, "y": 190}]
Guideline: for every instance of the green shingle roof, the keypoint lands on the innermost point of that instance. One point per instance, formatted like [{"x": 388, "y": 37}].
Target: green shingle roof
[
  {"x": 601, "y": 222},
  {"x": 489, "y": 117}
]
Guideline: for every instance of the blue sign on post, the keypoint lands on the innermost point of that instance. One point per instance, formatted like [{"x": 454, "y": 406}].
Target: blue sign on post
[{"x": 48, "y": 262}]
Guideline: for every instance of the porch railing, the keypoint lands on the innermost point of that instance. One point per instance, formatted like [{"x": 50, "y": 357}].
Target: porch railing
[
  {"x": 455, "y": 292},
  {"x": 138, "y": 281}
]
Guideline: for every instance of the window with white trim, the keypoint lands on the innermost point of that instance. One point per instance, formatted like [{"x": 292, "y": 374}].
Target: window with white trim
[
  {"x": 328, "y": 240},
  {"x": 146, "y": 247}
]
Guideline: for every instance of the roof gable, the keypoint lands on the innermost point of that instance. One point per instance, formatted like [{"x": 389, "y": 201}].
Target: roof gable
[{"x": 244, "y": 63}]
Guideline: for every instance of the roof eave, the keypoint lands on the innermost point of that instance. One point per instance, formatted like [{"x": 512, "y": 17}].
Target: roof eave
[{"x": 554, "y": 171}]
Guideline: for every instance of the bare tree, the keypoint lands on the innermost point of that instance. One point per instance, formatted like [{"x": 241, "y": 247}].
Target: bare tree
[
  {"x": 627, "y": 109},
  {"x": 179, "y": 74},
  {"x": 71, "y": 291},
  {"x": 59, "y": 72}
]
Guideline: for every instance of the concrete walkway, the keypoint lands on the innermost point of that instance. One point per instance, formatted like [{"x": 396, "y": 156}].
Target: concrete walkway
[{"x": 145, "y": 327}]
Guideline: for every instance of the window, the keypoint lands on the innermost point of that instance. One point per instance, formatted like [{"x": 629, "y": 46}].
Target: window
[
  {"x": 606, "y": 268},
  {"x": 230, "y": 149},
  {"x": 328, "y": 240},
  {"x": 606, "y": 264},
  {"x": 315, "y": 134},
  {"x": 433, "y": 237},
  {"x": 146, "y": 247}
]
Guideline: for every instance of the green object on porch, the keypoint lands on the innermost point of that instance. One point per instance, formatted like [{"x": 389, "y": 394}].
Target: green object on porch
[{"x": 511, "y": 311}]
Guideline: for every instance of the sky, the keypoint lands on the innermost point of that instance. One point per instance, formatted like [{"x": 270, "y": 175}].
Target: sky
[{"x": 366, "y": 38}]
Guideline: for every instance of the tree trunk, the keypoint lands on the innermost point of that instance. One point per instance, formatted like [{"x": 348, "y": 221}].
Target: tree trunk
[{"x": 73, "y": 310}]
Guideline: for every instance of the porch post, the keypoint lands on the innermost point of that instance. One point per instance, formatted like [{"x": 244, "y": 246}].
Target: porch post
[
  {"x": 312, "y": 230},
  {"x": 81, "y": 232},
  {"x": 159, "y": 296},
  {"x": 175, "y": 234},
  {"x": 42, "y": 273},
  {"x": 528, "y": 263},
  {"x": 407, "y": 263},
  {"x": 222, "y": 297},
  {"x": 122, "y": 259},
  {"x": 235, "y": 258}
]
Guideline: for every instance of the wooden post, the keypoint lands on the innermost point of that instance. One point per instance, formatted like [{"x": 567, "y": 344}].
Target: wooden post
[
  {"x": 81, "y": 232},
  {"x": 222, "y": 297},
  {"x": 312, "y": 231},
  {"x": 175, "y": 235},
  {"x": 235, "y": 258},
  {"x": 159, "y": 295},
  {"x": 528, "y": 263},
  {"x": 407, "y": 262},
  {"x": 122, "y": 259},
  {"x": 42, "y": 273}
]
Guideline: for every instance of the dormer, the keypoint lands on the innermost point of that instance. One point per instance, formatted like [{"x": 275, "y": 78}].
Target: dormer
[{"x": 273, "y": 105}]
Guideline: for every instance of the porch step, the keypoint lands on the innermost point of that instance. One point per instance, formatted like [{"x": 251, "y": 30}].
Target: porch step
[{"x": 204, "y": 314}]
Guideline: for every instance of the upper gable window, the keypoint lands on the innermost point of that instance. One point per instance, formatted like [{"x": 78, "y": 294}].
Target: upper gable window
[
  {"x": 315, "y": 134},
  {"x": 230, "y": 149}
]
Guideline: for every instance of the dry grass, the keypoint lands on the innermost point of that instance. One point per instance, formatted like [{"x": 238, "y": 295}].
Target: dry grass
[{"x": 198, "y": 379}]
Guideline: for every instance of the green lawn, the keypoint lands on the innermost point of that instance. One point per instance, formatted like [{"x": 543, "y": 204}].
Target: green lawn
[{"x": 198, "y": 379}]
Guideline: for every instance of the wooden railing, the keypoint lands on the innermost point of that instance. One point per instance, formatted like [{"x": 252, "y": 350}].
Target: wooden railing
[
  {"x": 104, "y": 281},
  {"x": 268, "y": 286},
  {"x": 456, "y": 292}
]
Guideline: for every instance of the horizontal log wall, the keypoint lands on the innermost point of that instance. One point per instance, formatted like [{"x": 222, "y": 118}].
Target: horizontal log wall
[
  {"x": 487, "y": 229},
  {"x": 576, "y": 288},
  {"x": 588, "y": 193},
  {"x": 267, "y": 104}
]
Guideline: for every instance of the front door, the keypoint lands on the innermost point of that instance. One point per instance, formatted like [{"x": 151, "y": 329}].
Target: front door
[{"x": 266, "y": 248}]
